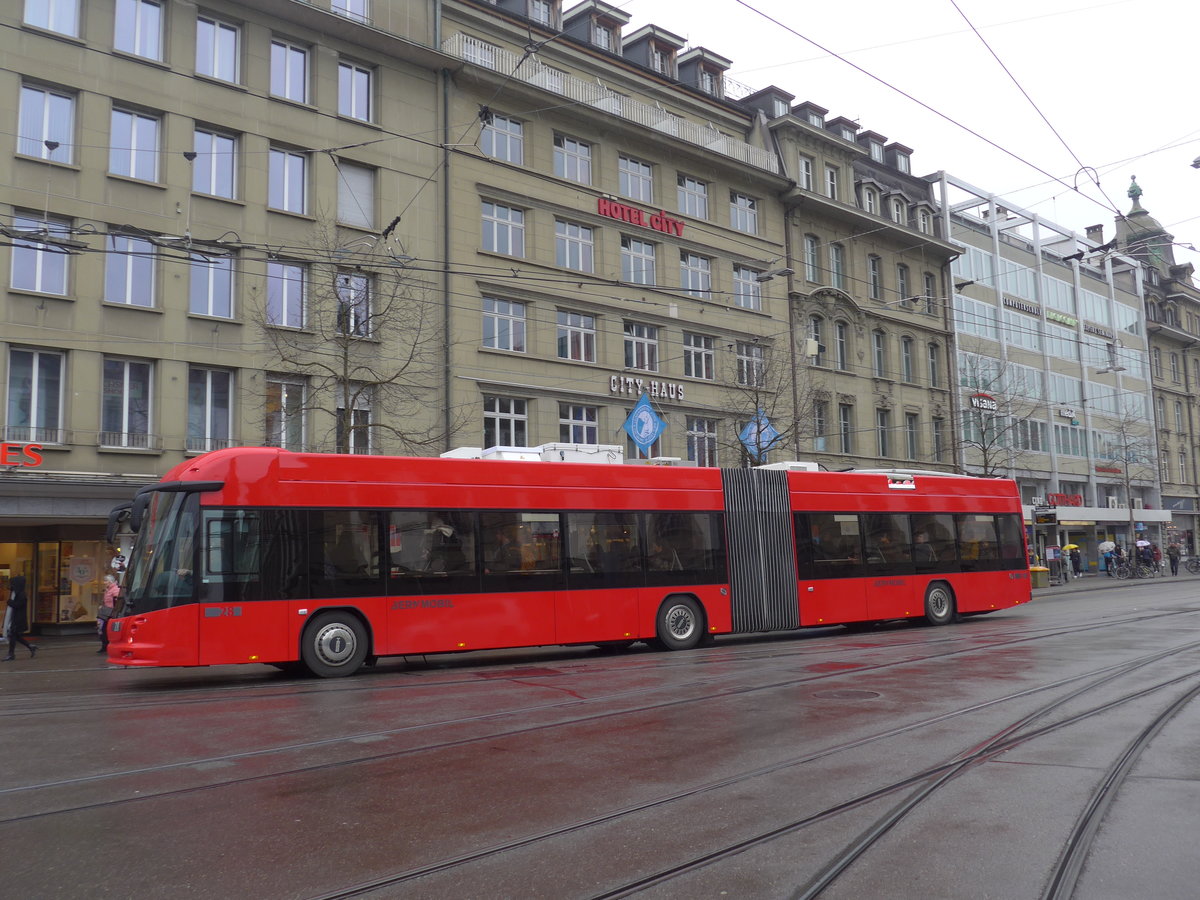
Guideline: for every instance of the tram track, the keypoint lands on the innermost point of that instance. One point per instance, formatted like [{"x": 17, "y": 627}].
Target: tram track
[{"x": 500, "y": 715}]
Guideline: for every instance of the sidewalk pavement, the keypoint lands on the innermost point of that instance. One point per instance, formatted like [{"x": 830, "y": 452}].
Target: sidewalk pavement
[{"x": 1093, "y": 581}]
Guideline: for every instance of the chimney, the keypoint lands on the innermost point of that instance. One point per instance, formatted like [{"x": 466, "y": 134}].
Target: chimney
[{"x": 1095, "y": 233}]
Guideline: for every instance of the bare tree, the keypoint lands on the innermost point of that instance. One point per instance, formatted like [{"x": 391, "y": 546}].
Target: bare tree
[
  {"x": 365, "y": 338},
  {"x": 1125, "y": 439},
  {"x": 1002, "y": 425},
  {"x": 773, "y": 411}
]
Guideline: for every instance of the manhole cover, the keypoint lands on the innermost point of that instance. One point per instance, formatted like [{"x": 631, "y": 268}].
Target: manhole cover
[{"x": 846, "y": 695}]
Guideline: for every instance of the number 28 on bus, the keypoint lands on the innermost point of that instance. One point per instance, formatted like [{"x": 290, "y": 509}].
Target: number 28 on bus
[{"x": 325, "y": 563}]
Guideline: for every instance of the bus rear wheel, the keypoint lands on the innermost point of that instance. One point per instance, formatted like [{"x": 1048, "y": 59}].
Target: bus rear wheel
[
  {"x": 939, "y": 604},
  {"x": 334, "y": 644},
  {"x": 680, "y": 624}
]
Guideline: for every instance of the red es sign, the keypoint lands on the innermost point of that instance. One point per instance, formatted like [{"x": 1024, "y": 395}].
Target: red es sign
[{"x": 20, "y": 455}]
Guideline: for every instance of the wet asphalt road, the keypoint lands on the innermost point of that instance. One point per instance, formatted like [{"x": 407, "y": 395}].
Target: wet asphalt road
[{"x": 1048, "y": 748}]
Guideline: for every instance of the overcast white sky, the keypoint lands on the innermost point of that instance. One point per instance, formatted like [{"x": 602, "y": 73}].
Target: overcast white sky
[{"x": 1117, "y": 79}]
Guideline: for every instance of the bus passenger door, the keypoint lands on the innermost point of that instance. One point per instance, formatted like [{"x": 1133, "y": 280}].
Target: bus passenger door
[{"x": 829, "y": 560}]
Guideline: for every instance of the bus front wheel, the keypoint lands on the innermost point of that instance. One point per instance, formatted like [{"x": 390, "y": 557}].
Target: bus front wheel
[
  {"x": 680, "y": 624},
  {"x": 939, "y": 604},
  {"x": 334, "y": 644}
]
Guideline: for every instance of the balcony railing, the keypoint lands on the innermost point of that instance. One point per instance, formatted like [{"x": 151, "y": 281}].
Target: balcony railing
[
  {"x": 119, "y": 440},
  {"x": 27, "y": 434},
  {"x": 531, "y": 71},
  {"x": 204, "y": 445}
]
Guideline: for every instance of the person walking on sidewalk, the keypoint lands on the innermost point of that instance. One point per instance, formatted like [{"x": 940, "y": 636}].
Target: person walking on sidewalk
[
  {"x": 17, "y": 603},
  {"x": 108, "y": 608},
  {"x": 1173, "y": 555}
]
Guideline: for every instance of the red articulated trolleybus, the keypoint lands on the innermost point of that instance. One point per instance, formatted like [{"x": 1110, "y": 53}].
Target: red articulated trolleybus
[{"x": 327, "y": 562}]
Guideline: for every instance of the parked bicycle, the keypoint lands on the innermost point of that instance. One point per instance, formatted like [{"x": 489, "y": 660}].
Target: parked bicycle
[
  {"x": 1135, "y": 570},
  {"x": 1192, "y": 564}
]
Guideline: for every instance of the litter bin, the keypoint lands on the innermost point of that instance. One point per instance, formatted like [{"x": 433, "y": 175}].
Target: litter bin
[{"x": 1039, "y": 576}]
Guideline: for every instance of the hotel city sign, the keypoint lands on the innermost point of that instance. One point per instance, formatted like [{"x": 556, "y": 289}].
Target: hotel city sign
[{"x": 658, "y": 221}]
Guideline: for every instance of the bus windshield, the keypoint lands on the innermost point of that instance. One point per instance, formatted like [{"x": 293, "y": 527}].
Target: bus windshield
[{"x": 163, "y": 558}]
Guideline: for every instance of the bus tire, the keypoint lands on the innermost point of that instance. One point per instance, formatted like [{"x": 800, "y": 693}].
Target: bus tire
[
  {"x": 334, "y": 644},
  {"x": 680, "y": 623},
  {"x": 939, "y": 604}
]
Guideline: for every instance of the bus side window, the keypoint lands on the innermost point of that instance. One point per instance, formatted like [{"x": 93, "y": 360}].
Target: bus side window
[
  {"x": 832, "y": 543},
  {"x": 344, "y": 553},
  {"x": 231, "y": 557}
]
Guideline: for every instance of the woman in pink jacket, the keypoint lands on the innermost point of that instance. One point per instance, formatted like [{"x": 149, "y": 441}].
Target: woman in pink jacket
[{"x": 108, "y": 608}]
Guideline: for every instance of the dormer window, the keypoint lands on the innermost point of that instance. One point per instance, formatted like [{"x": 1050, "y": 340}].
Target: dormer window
[
  {"x": 876, "y": 151},
  {"x": 899, "y": 212},
  {"x": 815, "y": 118},
  {"x": 871, "y": 200},
  {"x": 779, "y": 107},
  {"x": 847, "y": 133},
  {"x": 603, "y": 37},
  {"x": 542, "y": 12},
  {"x": 709, "y": 82},
  {"x": 902, "y": 162},
  {"x": 661, "y": 61},
  {"x": 925, "y": 221}
]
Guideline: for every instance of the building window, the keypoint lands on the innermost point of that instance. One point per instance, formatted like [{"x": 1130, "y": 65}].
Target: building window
[
  {"x": 46, "y": 124},
  {"x": 661, "y": 61},
  {"x": 816, "y": 327},
  {"x": 751, "y": 364},
  {"x": 841, "y": 344},
  {"x": 899, "y": 215},
  {"x": 354, "y": 424},
  {"x": 871, "y": 200},
  {"x": 284, "y": 424},
  {"x": 353, "y": 291},
  {"x": 358, "y": 10},
  {"x": 138, "y": 27},
  {"x": 210, "y": 291},
  {"x": 693, "y": 197},
  {"x": 38, "y": 266},
  {"x": 356, "y": 195},
  {"x": 125, "y": 404},
  {"x": 702, "y": 441},
  {"x": 930, "y": 293},
  {"x": 747, "y": 289},
  {"x": 820, "y": 425},
  {"x": 1156, "y": 362},
  {"x": 289, "y": 71},
  {"x": 695, "y": 274},
  {"x": 574, "y": 246},
  {"x": 572, "y": 159},
  {"x": 699, "y": 359},
  {"x": 1175, "y": 368},
  {"x": 637, "y": 261},
  {"x": 846, "y": 428},
  {"x": 503, "y": 229},
  {"x": 939, "y": 440},
  {"x": 505, "y": 422},
  {"x": 503, "y": 138},
  {"x": 577, "y": 424},
  {"x": 35, "y": 385},
  {"x": 832, "y": 177},
  {"x": 911, "y": 435},
  {"x": 576, "y": 336},
  {"x": 812, "y": 258},
  {"x": 743, "y": 213},
  {"x": 215, "y": 165},
  {"x": 603, "y": 37},
  {"x": 1183, "y": 479},
  {"x": 216, "y": 49},
  {"x": 837, "y": 266},
  {"x": 935, "y": 376},
  {"x": 542, "y": 12},
  {"x": 129, "y": 271},
  {"x": 902, "y": 162},
  {"x": 61, "y": 16},
  {"x": 883, "y": 430},
  {"x": 636, "y": 179},
  {"x": 1164, "y": 466},
  {"x": 879, "y": 354},
  {"x": 285, "y": 294},
  {"x": 641, "y": 347},
  {"x": 287, "y": 186},
  {"x": 806, "y": 173},
  {"x": 906, "y": 359},
  {"x": 876, "y": 149},
  {"x": 210, "y": 412},
  {"x": 1179, "y": 417},
  {"x": 902, "y": 282},
  {"x": 926, "y": 221},
  {"x": 503, "y": 324},
  {"x": 354, "y": 91},
  {"x": 875, "y": 277}
]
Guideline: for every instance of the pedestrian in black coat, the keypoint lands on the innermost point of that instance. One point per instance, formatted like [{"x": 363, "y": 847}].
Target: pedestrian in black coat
[{"x": 18, "y": 604}]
